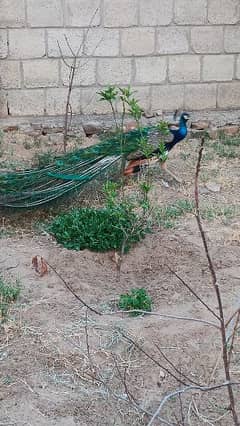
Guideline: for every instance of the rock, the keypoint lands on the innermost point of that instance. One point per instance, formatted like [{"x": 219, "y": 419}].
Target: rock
[
  {"x": 213, "y": 186},
  {"x": 149, "y": 114},
  {"x": 230, "y": 130},
  {"x": 131, "y": 125},
  {"x": 159, "y": 113},
  {"x": 203, "y": 190},
  {"x": 11, "y": 129},
  {"x": 200, "y": 125},
  {"x": 93, "y": 128}
]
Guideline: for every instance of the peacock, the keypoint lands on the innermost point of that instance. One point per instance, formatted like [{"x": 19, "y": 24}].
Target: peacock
[{"x": 70, "y": 172}]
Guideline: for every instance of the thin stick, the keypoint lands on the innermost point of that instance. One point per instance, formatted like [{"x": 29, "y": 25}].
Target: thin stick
[
  {"x": 233, "y": 338},
  {"x": 174, "y": 367},
  {"x": 185, "y": 390},
  {"x": 194, "y": 293},
  {"x": 152, "y": 359},
  {"x": 71, "y": 290},
  {"x": 158, "y": 314},
  {"x": 216, "y": 288}
]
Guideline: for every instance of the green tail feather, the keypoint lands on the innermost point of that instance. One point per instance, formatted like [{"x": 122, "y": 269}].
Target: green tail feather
[{"x": 30, "y": 188}]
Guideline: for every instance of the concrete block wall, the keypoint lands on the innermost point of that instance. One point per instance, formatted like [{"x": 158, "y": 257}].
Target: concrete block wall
[{"x": 175, "y": 53}]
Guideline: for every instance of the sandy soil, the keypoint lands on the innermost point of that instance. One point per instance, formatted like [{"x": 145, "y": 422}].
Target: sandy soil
[{"x": 63, "y": 366}]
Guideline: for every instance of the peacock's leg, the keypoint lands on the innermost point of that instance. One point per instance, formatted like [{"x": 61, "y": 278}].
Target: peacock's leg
[{"x": 163, "y": 165}]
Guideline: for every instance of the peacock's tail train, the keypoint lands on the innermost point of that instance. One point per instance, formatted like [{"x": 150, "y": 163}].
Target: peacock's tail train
[{"x": 35, "y": 187}]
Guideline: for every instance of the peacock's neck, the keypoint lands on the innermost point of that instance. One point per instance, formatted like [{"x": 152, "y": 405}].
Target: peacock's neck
[{"x": 182, "y": 124}]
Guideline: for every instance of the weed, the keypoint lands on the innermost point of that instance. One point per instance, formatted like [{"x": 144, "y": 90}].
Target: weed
[
  {"x": 230, "y": 141},
  {"x": 184, "y": 156},
  {"x": 44, "y": 159},
  {"x": 166, "y": 215},
  {"x": 8, "y": 294},
  {"x": 213, "y": 212},
  {"x": 225, "y": 151},
  {"x": 134, "y": 300}
]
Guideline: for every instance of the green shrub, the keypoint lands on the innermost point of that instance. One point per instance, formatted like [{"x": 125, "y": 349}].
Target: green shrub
[
  {"x": 8, "y": 294},
  {"x": 136, "y": 299},
  {"x": 100, "y": 229}
]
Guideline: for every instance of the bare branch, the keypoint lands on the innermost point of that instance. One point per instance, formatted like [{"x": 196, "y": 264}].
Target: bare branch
[
  {"x": 185, "y": 390},
  {"x": 158, "y": 314},
  {"x": 71, "y": 290},
  {"x": 174, "y": 367},
  {"x": 216, "y": 288},
  {"x": 193, "y": 292}
]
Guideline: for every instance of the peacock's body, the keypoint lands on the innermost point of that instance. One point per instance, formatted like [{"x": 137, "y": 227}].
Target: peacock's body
[{"x": 31, "y": 188}]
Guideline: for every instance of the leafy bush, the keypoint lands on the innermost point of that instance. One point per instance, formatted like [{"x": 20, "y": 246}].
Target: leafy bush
[
  {"x": 8, "y": 294},
  {"x": 98, "y": 229},
  {"x": 136, "y": 299}
]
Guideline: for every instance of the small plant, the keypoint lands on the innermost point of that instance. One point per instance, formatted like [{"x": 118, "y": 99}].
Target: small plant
[
  {"x": 134, "y": 300},
  {"x": 163, "y": 154},
  {"x": 110, "y": 95},
  {"x": 100, "y": 229},
  {"x": 8, "y": 295}
]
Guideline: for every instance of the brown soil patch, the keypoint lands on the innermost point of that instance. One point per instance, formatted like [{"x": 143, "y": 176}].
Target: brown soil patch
[{"x": 63, "y": 367}]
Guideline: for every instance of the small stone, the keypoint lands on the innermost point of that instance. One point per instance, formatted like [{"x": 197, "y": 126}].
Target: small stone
[
  {"x": 203, "y": 190},
  {"x": 213, "y": 187},
  {"x": 200, "y": 125},
  {"x": 11, "y": 129},
  {"x": 93, "y": 128},
  {"x": 230, "y": 130},
  {"x": 131, "y": 125}
]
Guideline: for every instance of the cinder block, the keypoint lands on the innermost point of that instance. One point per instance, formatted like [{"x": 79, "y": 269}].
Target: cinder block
[
  {"x": 228, "y": 95},
  {"x": 44, "y": 13},
  {"x": 56, "y": 100},
  {"x": 192, "y": 12},
  {"x": 12, "y": 13},
  {"x": 184, "y": 68},
  {"x": 120, "y": 13},
  {"x": 90, "y": 103},
  {"x": 10, "y": 77},
  {"x": 155, "y": 12},
  {"x": 102, "y": 42},
  {"x": 238, "y": 67},
  {"x": 200, "y": 96},
  {"x": 232, "y": 39},
  {"x": 26, "y": 102},
  {"x": 207, "y": 39},
  {"x": 3, "y": 103},
  {"x": 3, "y": 44},
  {"x": 167, "y": 98},
  {"x": 85, "y": 74},
  {"x": 172, "y": 40},
  {"x": 114, "y": 71},
  {"x": 223, "y": 11},
  {"x": 65, "y": 38},
  {"x": 151, "y": 70},
  {"x": 82, "y": 13},
  {"x": 142, "y": 94},
  {"x": 20, "y": 46},
  {"x": 138, "y": 41},
  {"x": 218, "y": 67},
  {"x": 41, "y": 73}
]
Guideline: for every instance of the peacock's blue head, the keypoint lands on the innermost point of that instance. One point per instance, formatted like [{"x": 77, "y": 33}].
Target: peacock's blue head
[{"x": 185, "y": 117}]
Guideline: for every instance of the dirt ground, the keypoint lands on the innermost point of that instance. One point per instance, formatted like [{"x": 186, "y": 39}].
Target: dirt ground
[{"x": 64, "y": 365}]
